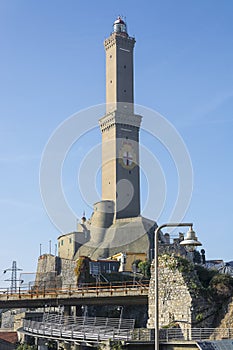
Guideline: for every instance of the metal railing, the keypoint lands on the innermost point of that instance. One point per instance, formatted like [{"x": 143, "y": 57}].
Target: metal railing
[
  {"x": 100, "y": 329},
  {"x": 195, "y": 334},
  {"x": 61, "y": 319},
  {"x": 92, "y": 289},
  {"x": 91, "y": 329}
]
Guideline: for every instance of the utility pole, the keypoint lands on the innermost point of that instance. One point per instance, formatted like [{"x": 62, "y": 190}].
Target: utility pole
[{"x": 13, "y": 279}]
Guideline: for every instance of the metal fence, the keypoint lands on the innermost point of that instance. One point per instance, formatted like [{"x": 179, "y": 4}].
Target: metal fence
[
  {"x": 98, "y": 329},
  {"x": 195, "y": 334},
  {"x": 93, "y": 329},
  {"x": 92, "y": 289},
  {"x": 116, "y": 323},
  {"x": 174, "y": 334}
]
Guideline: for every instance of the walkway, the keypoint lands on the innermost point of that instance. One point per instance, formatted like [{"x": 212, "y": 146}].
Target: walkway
[
  {"x": 98, "y": 329},
  {"x": 80, "y": 329}
]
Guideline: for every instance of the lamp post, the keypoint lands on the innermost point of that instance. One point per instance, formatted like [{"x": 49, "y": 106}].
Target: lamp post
[
  {"x": 191, "y": 242},
  {"x": 120, "y": 308}
]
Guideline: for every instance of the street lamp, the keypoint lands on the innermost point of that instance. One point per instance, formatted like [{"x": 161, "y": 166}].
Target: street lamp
[
  {"x": 120, "y": 308},
  {"x": 190, "y": 241}
]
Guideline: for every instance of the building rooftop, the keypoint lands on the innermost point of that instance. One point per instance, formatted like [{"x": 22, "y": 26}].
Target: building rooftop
[{"x": 10, "y": 337}]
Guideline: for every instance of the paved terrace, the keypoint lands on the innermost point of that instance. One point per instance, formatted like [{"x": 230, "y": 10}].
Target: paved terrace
[{"x": 126, "y": 293}]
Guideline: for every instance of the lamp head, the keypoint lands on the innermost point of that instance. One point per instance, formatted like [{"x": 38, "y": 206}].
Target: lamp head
[{"x": 190, "y": 242}]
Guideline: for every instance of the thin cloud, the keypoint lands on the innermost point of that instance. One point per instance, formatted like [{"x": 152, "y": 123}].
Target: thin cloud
[
  {"x": 12, "y": 202},
  {"x": 23, "y": 158},
  {"x": 198, "y": 116}
]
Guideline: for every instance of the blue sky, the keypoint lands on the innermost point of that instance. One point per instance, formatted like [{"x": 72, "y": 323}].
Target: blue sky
[{"x": 52, "y": 65}]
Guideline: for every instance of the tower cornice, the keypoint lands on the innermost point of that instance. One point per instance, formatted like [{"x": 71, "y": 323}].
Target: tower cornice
[
  {"x": 115, "y": 38},
  {"x": 113, "y": 118}
]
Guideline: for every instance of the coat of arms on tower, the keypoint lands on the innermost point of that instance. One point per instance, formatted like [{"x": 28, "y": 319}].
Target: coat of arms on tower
[{"x": 127, "y": 155}]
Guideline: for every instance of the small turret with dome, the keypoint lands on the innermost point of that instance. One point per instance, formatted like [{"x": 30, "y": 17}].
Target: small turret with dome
[{"x": 120, "y": 27}]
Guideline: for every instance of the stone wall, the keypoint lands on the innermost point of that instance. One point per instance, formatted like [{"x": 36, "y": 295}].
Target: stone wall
[
  {"x": 182, "y": 300},
  {"x": 54, "y": 272},
  {"x": 67, "y": 273},
  {"x": 46, "y": 274}
]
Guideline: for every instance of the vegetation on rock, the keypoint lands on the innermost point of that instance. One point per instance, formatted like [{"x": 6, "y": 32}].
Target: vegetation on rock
[
  {"x": 222, "y": 286},
  {"x": 218, "y": 286},
  {"x": 205, "y": 275},
  {"x": 199, "y": 317},
  {"x": 82, "y": 270},
  {"x": 176, "y": 262}
]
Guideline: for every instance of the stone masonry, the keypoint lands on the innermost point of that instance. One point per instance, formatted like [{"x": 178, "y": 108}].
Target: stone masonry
[
  {"x": 182, "y": 302},
  {"x": 55, "y": 272}
]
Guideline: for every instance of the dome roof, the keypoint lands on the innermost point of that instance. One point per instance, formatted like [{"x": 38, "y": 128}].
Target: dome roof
[
  {"x": 119, "y": 20},
  {"x": 119, "y": 26}
]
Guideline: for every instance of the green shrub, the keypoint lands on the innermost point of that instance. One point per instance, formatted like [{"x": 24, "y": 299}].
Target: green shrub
[
  {"x": 222, "y": 286},
  {"x": 144, "y": 268},
  {"x": 205, "y": 275},
  {"x": 199, "y": 317},
  {"x": 184, "y": 265}
]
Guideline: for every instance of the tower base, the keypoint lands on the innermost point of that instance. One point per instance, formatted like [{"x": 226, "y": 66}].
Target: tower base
[{"x": 134, "y": 235}]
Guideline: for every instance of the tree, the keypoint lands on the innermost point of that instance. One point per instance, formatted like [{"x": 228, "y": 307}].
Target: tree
[
  {"x": 196, "y": 257},
  {"x": 144, "y": 268}
]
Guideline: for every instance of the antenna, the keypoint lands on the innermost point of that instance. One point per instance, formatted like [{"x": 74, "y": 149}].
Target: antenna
[{"x": 13, "y": 279}]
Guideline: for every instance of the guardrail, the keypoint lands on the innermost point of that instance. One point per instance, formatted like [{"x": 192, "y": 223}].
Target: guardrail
[
  {"x": 91, "y": 329},
  {"x": 90, "y": 289},
  {"x": 195, "y": 334},
  {"x": 98, "y": 329},
  {"x": 176, "y": 334}
]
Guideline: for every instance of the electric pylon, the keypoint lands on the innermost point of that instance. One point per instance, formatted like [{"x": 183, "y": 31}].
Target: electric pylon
[{"x": 13, "y": 279}]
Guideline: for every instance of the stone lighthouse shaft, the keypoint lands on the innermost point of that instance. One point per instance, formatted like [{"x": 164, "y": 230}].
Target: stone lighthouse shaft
[
  {"x": 116, "y": 225},
  {"x": 120, "y": 127}
]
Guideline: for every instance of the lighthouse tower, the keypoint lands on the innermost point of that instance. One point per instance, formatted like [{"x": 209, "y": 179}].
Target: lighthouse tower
[
  {"x": 120, "y": 126},
  {"x": 116, "y": 225}
]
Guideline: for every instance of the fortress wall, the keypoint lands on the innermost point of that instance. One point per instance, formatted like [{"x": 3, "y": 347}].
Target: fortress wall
[
  {"x": 55, "y": 272},
  {"x": 182, "y": 299}
]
